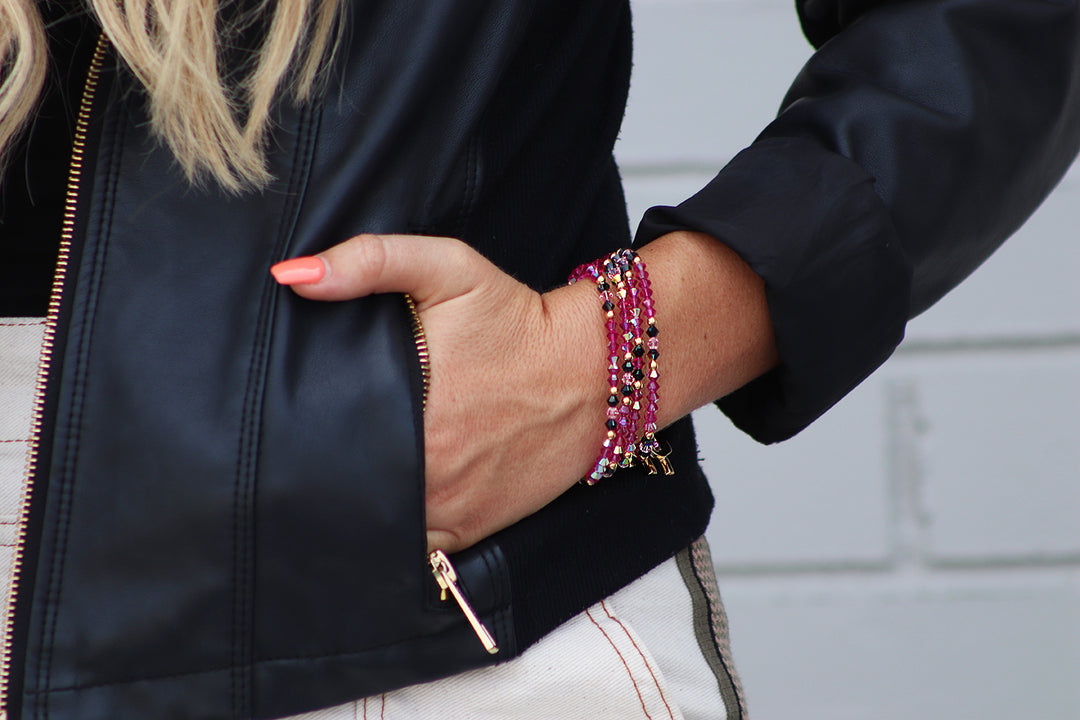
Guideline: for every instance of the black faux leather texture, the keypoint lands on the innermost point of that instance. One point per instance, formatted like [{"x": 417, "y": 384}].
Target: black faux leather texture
[{"x": 234, "y": 524}]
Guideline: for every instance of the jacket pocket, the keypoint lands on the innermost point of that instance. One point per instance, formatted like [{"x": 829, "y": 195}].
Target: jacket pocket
[
  {"x": 339, "y": 530},
  {"x": 343, "y": 600},
  {"x": 460, "y": 589}
]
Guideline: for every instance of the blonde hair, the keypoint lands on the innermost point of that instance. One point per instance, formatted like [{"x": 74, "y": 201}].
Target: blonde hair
[{"x": 215, "y": 124}]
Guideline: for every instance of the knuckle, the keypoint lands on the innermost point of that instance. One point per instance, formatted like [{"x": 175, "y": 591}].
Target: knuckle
[{"x": 373, "y": 254}]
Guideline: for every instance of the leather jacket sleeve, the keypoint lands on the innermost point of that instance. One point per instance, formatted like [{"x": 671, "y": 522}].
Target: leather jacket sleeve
[{"x": 919, "y": 136}]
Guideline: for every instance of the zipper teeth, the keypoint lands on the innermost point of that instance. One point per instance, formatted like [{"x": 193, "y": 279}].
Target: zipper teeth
[
  {"x": 421, "y": 347},
  {"x": 67, "y": 232}
]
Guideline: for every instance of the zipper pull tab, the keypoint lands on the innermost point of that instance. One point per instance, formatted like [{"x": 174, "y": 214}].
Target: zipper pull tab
[{"x": 446, "y": 576}]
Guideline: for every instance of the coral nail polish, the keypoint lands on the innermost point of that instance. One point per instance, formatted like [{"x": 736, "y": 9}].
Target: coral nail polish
[{"x": 299, "y": 271}]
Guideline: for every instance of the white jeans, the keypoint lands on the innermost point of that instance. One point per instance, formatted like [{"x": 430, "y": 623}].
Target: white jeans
[{"x": 657, "y": 649}]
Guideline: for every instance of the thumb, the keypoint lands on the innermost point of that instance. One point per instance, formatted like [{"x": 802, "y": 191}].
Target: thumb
[{"x": 431, "y": 269}]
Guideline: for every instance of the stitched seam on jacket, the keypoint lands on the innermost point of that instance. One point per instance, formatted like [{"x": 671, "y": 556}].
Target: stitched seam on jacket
[
  {"x": 244, "y": 489},
  {"x": 70, "y": 452},
  {"x": 244, "y": 517},
  {"x": 472, "y": 184}
]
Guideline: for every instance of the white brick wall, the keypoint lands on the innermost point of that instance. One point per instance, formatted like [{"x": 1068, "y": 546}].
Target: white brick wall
[{"x": 915, "y": 553}]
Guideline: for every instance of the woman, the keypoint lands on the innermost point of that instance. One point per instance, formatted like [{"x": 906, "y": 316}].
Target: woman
[{"x": 234, "y": 487}]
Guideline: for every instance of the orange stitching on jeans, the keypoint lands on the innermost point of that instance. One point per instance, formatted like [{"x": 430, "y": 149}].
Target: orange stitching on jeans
[
  {"x": 382, "y": 711},
  {"x": 623, "y": 660},
  {"x": 642, "y": 654},
  {"x": 23, "y": 324}
]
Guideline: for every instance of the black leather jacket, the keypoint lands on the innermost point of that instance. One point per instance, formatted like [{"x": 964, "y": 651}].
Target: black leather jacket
[{"x": 227, "y": 516}]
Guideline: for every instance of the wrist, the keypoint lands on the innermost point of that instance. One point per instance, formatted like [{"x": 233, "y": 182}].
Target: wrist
[
  {"x": 621, "y": 284},
  {"x": 576, "y": 340}
]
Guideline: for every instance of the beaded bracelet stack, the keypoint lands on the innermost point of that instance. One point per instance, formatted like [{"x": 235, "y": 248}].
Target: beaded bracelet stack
[{"x": 623, "y": 285}]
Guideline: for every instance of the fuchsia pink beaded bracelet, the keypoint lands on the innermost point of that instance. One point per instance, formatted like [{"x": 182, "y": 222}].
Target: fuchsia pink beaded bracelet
[{"x": 633, "y": 348}]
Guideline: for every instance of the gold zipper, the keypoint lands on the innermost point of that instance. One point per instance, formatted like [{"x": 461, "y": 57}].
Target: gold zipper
[
  {"x": 441, "y": 567},
  {"x": 446, "y": 576},
  {"x": 421, "y": 347},
  {"x": 67, "y": 232}
]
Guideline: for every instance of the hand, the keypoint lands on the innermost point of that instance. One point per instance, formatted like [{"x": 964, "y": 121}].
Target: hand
[{"x": 516, "y": 404}]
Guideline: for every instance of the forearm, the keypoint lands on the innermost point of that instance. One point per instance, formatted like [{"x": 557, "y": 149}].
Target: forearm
[
  {"x": 717, "y": 335},
  {"x": 715, "y": 332}
]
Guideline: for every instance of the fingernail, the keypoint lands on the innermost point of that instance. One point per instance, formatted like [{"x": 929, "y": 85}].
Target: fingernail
[{"x": 299, "y": 271}]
